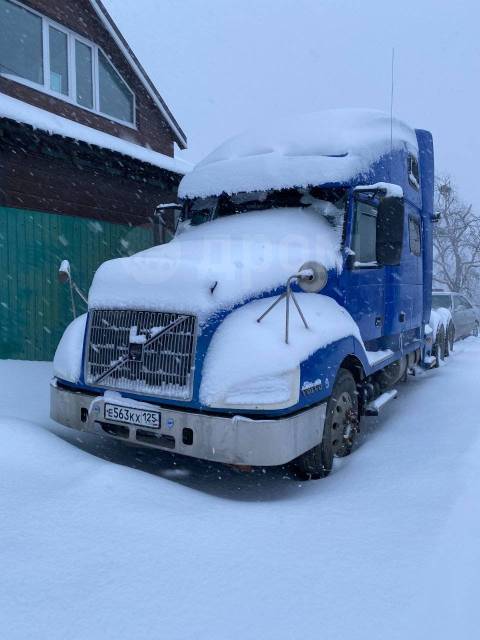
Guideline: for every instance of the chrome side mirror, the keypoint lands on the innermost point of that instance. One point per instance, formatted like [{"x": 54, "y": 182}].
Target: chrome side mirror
[
  {"x": 312, "y": 277},
  {"x": 65, "y": 277}
]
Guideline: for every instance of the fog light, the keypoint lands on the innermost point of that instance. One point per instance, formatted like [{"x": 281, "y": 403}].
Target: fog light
[{"x": 187, "y": 436}]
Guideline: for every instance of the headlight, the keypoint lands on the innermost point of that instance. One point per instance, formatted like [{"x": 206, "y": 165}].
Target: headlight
[{"x": 267, "y": 392}]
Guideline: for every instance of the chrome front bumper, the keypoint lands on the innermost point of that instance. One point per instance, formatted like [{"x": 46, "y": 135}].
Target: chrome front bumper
[{"x": 233, "y": 440}]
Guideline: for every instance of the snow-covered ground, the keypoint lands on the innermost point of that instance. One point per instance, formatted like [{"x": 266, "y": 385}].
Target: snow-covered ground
[{"x": 100, "y": 540}]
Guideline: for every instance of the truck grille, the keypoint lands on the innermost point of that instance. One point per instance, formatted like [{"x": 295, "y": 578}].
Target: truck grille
[{"x": 147, "y": 352}]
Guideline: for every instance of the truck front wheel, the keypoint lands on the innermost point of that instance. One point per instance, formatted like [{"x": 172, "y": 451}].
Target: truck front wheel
[{"x": 339, "y": 431}]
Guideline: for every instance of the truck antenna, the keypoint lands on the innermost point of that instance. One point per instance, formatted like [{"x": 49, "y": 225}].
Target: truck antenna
[{"x": 391, "y": 108}]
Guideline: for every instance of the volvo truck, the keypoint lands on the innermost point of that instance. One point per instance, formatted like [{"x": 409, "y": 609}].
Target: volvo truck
[{"x": 292, "y": 300}]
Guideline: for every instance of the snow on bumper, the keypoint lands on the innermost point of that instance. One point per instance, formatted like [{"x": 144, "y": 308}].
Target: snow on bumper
[{"x": 233, "y": 440}]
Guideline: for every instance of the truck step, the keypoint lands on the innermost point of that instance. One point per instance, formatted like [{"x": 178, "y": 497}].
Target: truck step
[{"x": 373, "y": 408}]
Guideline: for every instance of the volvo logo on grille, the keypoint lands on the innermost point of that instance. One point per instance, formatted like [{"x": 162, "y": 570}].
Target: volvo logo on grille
[
  {"x": 135, "y": 351},
  {"x": 135, "y": 345}
]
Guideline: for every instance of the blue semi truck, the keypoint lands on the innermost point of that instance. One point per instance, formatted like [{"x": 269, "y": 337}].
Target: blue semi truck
[{"x": 293, "y": 298}]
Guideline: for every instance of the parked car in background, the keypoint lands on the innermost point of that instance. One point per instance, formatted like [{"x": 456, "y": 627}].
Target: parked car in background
[{"x": 466, "y": 319}]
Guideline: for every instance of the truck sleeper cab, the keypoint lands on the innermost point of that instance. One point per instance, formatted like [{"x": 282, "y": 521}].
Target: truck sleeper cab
[{"x": 222, "y": 344}]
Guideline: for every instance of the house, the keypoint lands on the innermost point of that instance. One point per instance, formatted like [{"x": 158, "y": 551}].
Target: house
[{"x": 86, "y": 154}]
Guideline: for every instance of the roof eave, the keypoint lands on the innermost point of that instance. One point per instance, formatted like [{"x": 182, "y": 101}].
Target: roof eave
[{"x": 120, "y": 41}]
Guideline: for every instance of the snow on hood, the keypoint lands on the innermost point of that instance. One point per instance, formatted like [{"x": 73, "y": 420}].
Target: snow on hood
[
  {"x": 268, "y": 356},
  {"x": 317, "y": 148},
  {"x": 218, "y": 264}
]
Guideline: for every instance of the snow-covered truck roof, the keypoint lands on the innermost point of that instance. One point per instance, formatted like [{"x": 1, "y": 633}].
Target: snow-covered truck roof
[{"x": 318, "y": 148}]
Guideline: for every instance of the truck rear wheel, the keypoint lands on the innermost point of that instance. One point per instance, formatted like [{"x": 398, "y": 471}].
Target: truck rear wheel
[{"x": 339, "y": 431}]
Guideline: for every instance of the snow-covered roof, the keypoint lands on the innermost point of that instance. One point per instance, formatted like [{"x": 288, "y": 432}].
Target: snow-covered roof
[
  {"x": 120, "y": 41},
  {"x": 327, "y": 146},
  {"x": 19, "y": 111}
]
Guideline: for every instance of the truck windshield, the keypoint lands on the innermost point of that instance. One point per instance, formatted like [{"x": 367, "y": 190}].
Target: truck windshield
[{"x": 329, "y": 202}]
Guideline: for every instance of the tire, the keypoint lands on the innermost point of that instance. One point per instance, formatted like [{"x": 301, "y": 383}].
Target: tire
[
  {"x": 476, "y": 330},
  {"x": 439, "y": 346},
  {"x": 446, "y": 345},
  {"x": 450, "y": 336},
  {"x": 339, "y": 431}
]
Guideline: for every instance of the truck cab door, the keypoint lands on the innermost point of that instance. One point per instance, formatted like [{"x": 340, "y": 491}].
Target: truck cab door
[{"x": 364, "y": 278}]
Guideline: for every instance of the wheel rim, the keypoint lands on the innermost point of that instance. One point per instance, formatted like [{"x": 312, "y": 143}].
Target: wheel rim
[{"x": 344, "y": 424}]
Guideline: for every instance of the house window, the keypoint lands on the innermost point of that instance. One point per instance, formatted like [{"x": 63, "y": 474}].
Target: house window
[
  {"x": 415, "y": 236},
  {"x": 58, "y": 61},
  {"x": 21, "y": 45},
  {"x": 364, "y": 241},
  {"x": 44, "y": 55},
  {"x": 115, "y": 97},
  {"x": 84, "y": 74}
]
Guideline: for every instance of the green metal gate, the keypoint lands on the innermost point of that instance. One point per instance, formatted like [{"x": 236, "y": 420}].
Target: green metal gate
[{"x": 34, "y": 307}]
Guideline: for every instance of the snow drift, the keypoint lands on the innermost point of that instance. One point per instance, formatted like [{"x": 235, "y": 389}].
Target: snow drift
[
  {"x": 312, "y": 149},
  {"x": 233, "y": 541}
]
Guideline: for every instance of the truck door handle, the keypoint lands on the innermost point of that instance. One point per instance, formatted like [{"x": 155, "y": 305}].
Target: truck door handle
[
  {"x": 401, "y": 316},
  {"x": 378, "y": 321}
]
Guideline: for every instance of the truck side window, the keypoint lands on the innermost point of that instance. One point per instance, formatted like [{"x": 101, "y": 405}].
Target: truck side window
[
  {"x": 415, "y": 236},
  {"x": 413, "y": 171},
  {"x": 364, "y": 240}
]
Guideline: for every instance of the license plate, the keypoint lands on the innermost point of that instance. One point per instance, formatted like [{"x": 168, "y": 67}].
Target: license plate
[{"x": 136, "y": 417}]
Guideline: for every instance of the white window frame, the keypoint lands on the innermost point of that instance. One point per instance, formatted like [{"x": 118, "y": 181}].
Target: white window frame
[{"x": 71, "y": 98}]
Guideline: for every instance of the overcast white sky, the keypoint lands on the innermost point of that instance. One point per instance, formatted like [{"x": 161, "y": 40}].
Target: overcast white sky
[{"x": 222, "y": 65}]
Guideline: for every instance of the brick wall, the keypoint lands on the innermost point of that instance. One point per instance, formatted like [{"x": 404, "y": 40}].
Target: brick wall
[{"x": 48, "y": 173}]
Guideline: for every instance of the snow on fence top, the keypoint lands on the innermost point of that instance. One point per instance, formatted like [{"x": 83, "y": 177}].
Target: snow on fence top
[
  {"x": 39, "y": 119},
  {"x": 317, "y": 148}
]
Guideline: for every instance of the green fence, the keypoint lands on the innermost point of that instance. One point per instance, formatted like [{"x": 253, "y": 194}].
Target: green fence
[{"x": 34, "y": 307}]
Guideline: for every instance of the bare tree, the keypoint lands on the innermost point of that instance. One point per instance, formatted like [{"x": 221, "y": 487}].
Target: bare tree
[{"x": 456, "y": 241}]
